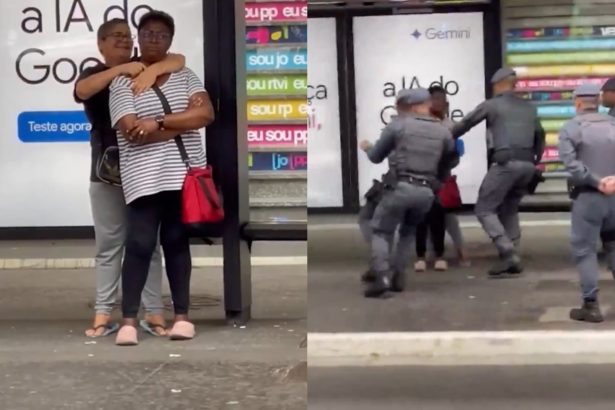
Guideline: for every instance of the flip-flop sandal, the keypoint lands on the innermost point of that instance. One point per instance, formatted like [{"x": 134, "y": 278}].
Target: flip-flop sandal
[
  {"x": 151, "y": 328},
  {"x": 110, "y": 328}
]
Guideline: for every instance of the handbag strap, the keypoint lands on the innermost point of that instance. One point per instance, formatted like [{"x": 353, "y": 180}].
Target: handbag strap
[{"x": 178, "y": 139}]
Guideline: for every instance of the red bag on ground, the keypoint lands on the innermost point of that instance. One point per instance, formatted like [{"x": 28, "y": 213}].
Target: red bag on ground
[{"x": 449, "y": 195}]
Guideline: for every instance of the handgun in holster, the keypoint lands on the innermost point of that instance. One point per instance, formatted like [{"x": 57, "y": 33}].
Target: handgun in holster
[{"x": 537, "y": 178}]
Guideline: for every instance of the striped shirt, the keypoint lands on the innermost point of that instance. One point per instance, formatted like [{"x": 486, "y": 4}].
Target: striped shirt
[{"x": 157, "y": 167}]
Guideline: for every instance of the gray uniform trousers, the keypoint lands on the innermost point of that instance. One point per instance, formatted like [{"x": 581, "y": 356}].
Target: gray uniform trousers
[
  {"x": 497, "y": 207},
  {"x": 366, "y": 213},
  {"x": 592, "y": 213},
  {"x": 406, "y": 207},
  {"x": 109, "y": 213}
]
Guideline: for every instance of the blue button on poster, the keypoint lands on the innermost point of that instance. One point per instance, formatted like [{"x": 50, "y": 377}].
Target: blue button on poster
[{"x": 53, "y": 126}]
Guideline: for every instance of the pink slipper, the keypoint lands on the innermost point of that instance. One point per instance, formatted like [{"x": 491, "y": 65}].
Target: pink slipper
[
  {"x": 127, "y": 336},
  {"x": 182, "y": 330}
]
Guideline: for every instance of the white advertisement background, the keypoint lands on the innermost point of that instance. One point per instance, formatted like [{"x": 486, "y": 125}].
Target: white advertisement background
[
  {"x": 46, "y": 184},
  {"x": 385, "y": 51},
  {"x": 324, "y": 146}
]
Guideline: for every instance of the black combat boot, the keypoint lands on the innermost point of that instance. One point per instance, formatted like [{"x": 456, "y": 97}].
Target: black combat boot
[
  {"x": 589, "y": 312},
  {"x": 368, "y": 276},
  {"x": 510, "y": 264},
  {"x": 379, "y": 286},
  {"x": 399, "y": 282}
]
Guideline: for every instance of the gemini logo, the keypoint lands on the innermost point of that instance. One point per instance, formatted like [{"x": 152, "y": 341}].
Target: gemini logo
[{"x": 436, "y": 34}]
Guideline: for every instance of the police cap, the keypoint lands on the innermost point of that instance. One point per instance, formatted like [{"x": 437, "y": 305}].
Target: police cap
[
  {"x": 587, "y": 90},
  {"x": 413, "y": 96},
  {"x": 609, "y": 85},
  {"x": 502, "y": 74}
]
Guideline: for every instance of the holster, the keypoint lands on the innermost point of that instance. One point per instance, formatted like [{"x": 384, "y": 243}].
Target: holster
[
  {"x": 575, "y": 191},
  {"x": 389, "y": 180},
  {"x": 374, "y": 194}
]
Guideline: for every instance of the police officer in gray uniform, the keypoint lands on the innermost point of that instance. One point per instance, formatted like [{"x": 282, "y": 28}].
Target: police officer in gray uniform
[
  {"x": 423, "y": 149},
  {"x": 518, "y": 143},
  {"x": 587, "y": 148}
]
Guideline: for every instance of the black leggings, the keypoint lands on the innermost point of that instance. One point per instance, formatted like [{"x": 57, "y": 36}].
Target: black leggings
[
  {"x": 146, "y": 217},
  {"x": 436, "y": 223}
]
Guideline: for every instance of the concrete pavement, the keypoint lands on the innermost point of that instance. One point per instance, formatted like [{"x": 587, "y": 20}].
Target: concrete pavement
[
  {"x": 462, "y": 299},
  {"x": 463, "y": 388},
  {"x": 47, "y": 363},
  {"x": 457, "y": 317}
]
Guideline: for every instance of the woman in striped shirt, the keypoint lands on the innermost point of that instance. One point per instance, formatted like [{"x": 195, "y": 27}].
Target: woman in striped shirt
[{"x": 153, "y": 173}]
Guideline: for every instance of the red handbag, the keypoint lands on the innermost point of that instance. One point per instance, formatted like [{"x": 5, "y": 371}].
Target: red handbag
[
  {"x": 201, "y": 203},
  {"x": 449, "y": 195}
]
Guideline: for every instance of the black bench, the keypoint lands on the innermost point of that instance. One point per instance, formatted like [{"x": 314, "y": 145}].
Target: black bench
[{"x": 274, "y": 231}]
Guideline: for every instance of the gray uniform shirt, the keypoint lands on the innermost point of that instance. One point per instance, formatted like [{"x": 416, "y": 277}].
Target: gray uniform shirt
[
  {"x": 514, "y": 126},
  {"x": 587, "y": 148},
  {"x": 422, "y": 147}
]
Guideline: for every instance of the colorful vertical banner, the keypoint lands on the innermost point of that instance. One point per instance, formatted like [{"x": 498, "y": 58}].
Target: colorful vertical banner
[{"x": 277, "y": 85}]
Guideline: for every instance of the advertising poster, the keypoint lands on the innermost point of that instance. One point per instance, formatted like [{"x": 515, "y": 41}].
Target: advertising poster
[
  {"x": 325, "y": 170},
  {"x": 44, "y": 156},
  {"x": 409, "y": 51}
]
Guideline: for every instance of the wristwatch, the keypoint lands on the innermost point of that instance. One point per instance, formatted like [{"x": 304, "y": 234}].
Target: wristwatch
[{"x": 160, "y": 120}]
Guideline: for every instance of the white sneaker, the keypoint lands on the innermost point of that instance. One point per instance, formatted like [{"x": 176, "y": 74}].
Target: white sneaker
[{"x": 420, "y": 266}]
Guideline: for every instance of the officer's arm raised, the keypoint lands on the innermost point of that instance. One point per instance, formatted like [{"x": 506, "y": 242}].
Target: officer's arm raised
[
  {"x": 383, "y": 147},
  {"x": 568, "y": 153},
  {"x": 468, "y": 122}
]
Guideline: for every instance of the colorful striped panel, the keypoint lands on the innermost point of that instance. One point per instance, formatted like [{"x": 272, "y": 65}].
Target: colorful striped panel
[
  {"x": 557, "y": 83},
  {"x": 562, "y": 58},
  {"x": 542, "y": 96},
  {"x": 561, "y": 32},
  {"x": 565, "y": 70},
  {"x": 552, "y": 139},
  {"x": 550, "y": 154},
  {"x": 561, "y": 111},
  {"x": 554, "y": 167},
  {"x": 553, "y": 125},
  {"x": 561, "y": 45}
]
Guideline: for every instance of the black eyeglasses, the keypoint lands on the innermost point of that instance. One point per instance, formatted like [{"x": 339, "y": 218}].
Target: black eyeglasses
[
  {"x": 152, "y": 35},
  {"x": 121, "y": 36}
]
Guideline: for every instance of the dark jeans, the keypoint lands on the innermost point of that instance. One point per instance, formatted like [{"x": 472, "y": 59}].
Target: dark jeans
[
  {"x": 436, "y": 223},
  {"x": 146, "y": 217}
]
